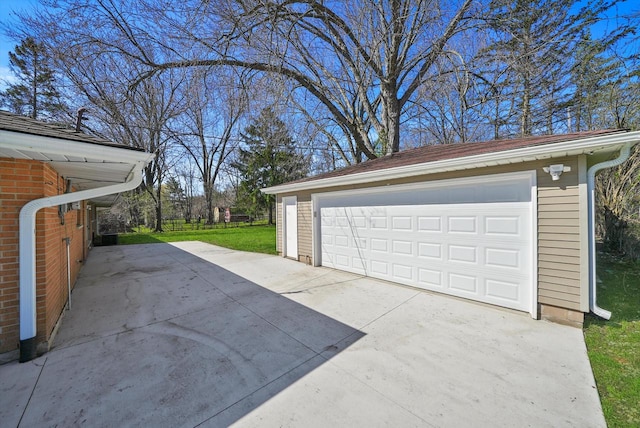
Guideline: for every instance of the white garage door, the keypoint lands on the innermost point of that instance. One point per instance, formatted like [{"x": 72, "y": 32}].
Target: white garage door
[{"x": 472, "y": 240}]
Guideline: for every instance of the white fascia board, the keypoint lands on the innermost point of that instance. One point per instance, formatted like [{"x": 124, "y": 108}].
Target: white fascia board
[
  {"x": 59, "y": 146},
  {"x": 610, "y": 142}
]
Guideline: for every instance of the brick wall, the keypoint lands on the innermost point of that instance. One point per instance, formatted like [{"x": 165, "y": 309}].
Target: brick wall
[{"x": 20, "y": 182}]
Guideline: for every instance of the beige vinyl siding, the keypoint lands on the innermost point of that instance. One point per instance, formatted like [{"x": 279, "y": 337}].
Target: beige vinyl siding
[
  {"x": 279, "y": 224},
  {"x": 305, "y": 217},
  {"x": 559, "y": 238},
  {"x": 584, "y": 233}
]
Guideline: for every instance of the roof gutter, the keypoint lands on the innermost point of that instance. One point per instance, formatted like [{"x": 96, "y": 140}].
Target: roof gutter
[
  {"x": 524, "y": 154},
  {"x": 28, "y": 319},
  {"x": 591, "y": 175}
]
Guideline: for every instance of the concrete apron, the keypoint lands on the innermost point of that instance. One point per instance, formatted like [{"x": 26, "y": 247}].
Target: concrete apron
[{"x": 190, "y": 334}]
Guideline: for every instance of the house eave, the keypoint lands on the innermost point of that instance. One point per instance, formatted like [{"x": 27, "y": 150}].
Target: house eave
[
  {"x": 23, "y": 143},
  {"x": 602, "y": 144},
  {"x": 89, "y": 165}
]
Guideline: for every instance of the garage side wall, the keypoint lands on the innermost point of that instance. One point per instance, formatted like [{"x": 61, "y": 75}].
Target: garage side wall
[
  {"x": 560, "y": 240},
  {"x": 279, "y": 225},
  {"x": 305, "y": 218},
  {"x": 562, "y": 266}
]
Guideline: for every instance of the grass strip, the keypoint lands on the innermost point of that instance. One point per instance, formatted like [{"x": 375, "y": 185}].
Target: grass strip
[
  {"x": 256, "y": 238},
  {"x": 614, "y": 346}
]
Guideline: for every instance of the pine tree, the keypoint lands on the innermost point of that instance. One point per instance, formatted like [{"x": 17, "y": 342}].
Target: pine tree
[
  {"x": 533, "y": 39},
  {"x": 593, "y": 76},
  {"x": 268, "y": 159},
  {"x": 34, "y": 94}
]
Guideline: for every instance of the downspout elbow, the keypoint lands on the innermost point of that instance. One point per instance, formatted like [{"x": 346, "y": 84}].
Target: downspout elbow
[{"x": 591, "y": 174}]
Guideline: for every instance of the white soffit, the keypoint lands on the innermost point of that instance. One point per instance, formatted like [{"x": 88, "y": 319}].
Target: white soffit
[
  {"x": 88, "y": 165},
  {"x": 605, "y": 143}
]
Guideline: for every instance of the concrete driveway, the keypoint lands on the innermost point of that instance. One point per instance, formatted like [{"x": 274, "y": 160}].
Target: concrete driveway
[{"x": 190, "y": 334}]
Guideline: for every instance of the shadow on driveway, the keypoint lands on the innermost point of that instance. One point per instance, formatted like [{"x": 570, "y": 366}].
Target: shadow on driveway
[{"x": 159, "y": 337}]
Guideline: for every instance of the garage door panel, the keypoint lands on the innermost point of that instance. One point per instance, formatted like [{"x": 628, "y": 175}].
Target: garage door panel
[
  {"x": 402, "y": 247},
  {"x": 379, "y": 245},
  {"x": 380, "y": 267},
  {"x": 429, "y": 224},
  {"x": 460, "y": 224},
  {"x": 462, "y": 253},
  {"x": 463, "y": 283},
  {"x": 401, "y": 223},
  {"x": 503, "y": 290},
  {"x": 327, "y": 239},
  {"x": 503, "y": 225},
  {"x": 429, "y": 279},
  {"x": 358, "y": 264},
  {"x": 402, "y": 271},
  {"x": 430, "y": 250},
  {"x": 342, "y": 260},
  {"x": 503, "y": 258},
  {"x": 359, "y": 221},
  {"x": 341, "y": 241},
  {"x": 378, "y": 222},
  {"x": 479, "y": 250}
]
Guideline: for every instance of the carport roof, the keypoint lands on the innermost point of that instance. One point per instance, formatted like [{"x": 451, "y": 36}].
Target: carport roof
[
  {"x": 89, "y": 162},
  {"x": 451, "y": 157}
]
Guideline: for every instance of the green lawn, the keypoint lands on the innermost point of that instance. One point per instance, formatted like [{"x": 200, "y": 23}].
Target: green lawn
[
  {"x": 614, "y": 345},
  {"x": 256, "y": 238}
]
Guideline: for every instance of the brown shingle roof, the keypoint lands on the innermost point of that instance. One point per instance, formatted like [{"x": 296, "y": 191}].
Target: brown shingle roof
[
  {"x": 26, "y": 125},
  {"x": 452, "y": 151}
]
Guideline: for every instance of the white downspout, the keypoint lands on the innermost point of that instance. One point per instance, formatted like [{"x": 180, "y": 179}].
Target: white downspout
[
  {"x": 27, "y": 256},
  {"x": 591, "y": 175}
]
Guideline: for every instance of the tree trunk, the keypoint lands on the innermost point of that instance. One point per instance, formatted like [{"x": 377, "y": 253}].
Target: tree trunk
[
  {"x": 391, "y": 119},
  {"x": 34, "y": 87},
  {"x": 525, "y": 118},
  {"x": 208, "y": 195},
  {"x": 158, "y": 227},
  {"x": 158, "y": 196}
]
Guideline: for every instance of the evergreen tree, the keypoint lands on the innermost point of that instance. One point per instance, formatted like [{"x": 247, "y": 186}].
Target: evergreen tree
[
  {"x": 597, "y": 79},
  {"x": 176, "y": 197},
  {"x": 34, "y": 94},
  {"x": 268, "y": 159},
  {"x": 533, "y": 39}
]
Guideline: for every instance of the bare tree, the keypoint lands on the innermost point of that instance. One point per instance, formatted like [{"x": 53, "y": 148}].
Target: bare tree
[
  {"x": 97, "y": 76},
  {"x": 188, "y": 178},
  {"x": 216, "y": 104},
  {"x": 449, "y": 109},
  {"x": 363, "y": 61}
]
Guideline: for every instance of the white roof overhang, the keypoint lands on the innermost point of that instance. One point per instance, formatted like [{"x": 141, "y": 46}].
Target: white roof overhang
[
  {"x": 87, "y": 165},
  {"x": 601, "y": 145}
]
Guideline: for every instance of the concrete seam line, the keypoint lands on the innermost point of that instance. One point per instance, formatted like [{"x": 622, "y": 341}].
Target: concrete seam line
[{"x": 32, "y": 391}]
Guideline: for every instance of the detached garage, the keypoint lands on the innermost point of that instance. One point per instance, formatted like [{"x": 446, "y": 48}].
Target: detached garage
[{"x": 503, "y": 222}]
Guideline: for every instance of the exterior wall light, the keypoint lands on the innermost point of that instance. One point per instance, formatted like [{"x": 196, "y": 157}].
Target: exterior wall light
[{"x": 556, "y": 170}]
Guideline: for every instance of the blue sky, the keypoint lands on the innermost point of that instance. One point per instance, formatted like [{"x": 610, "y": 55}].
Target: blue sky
[
  {"x": 7, "y": 6},
  {"x": 6, "y": 45}
]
